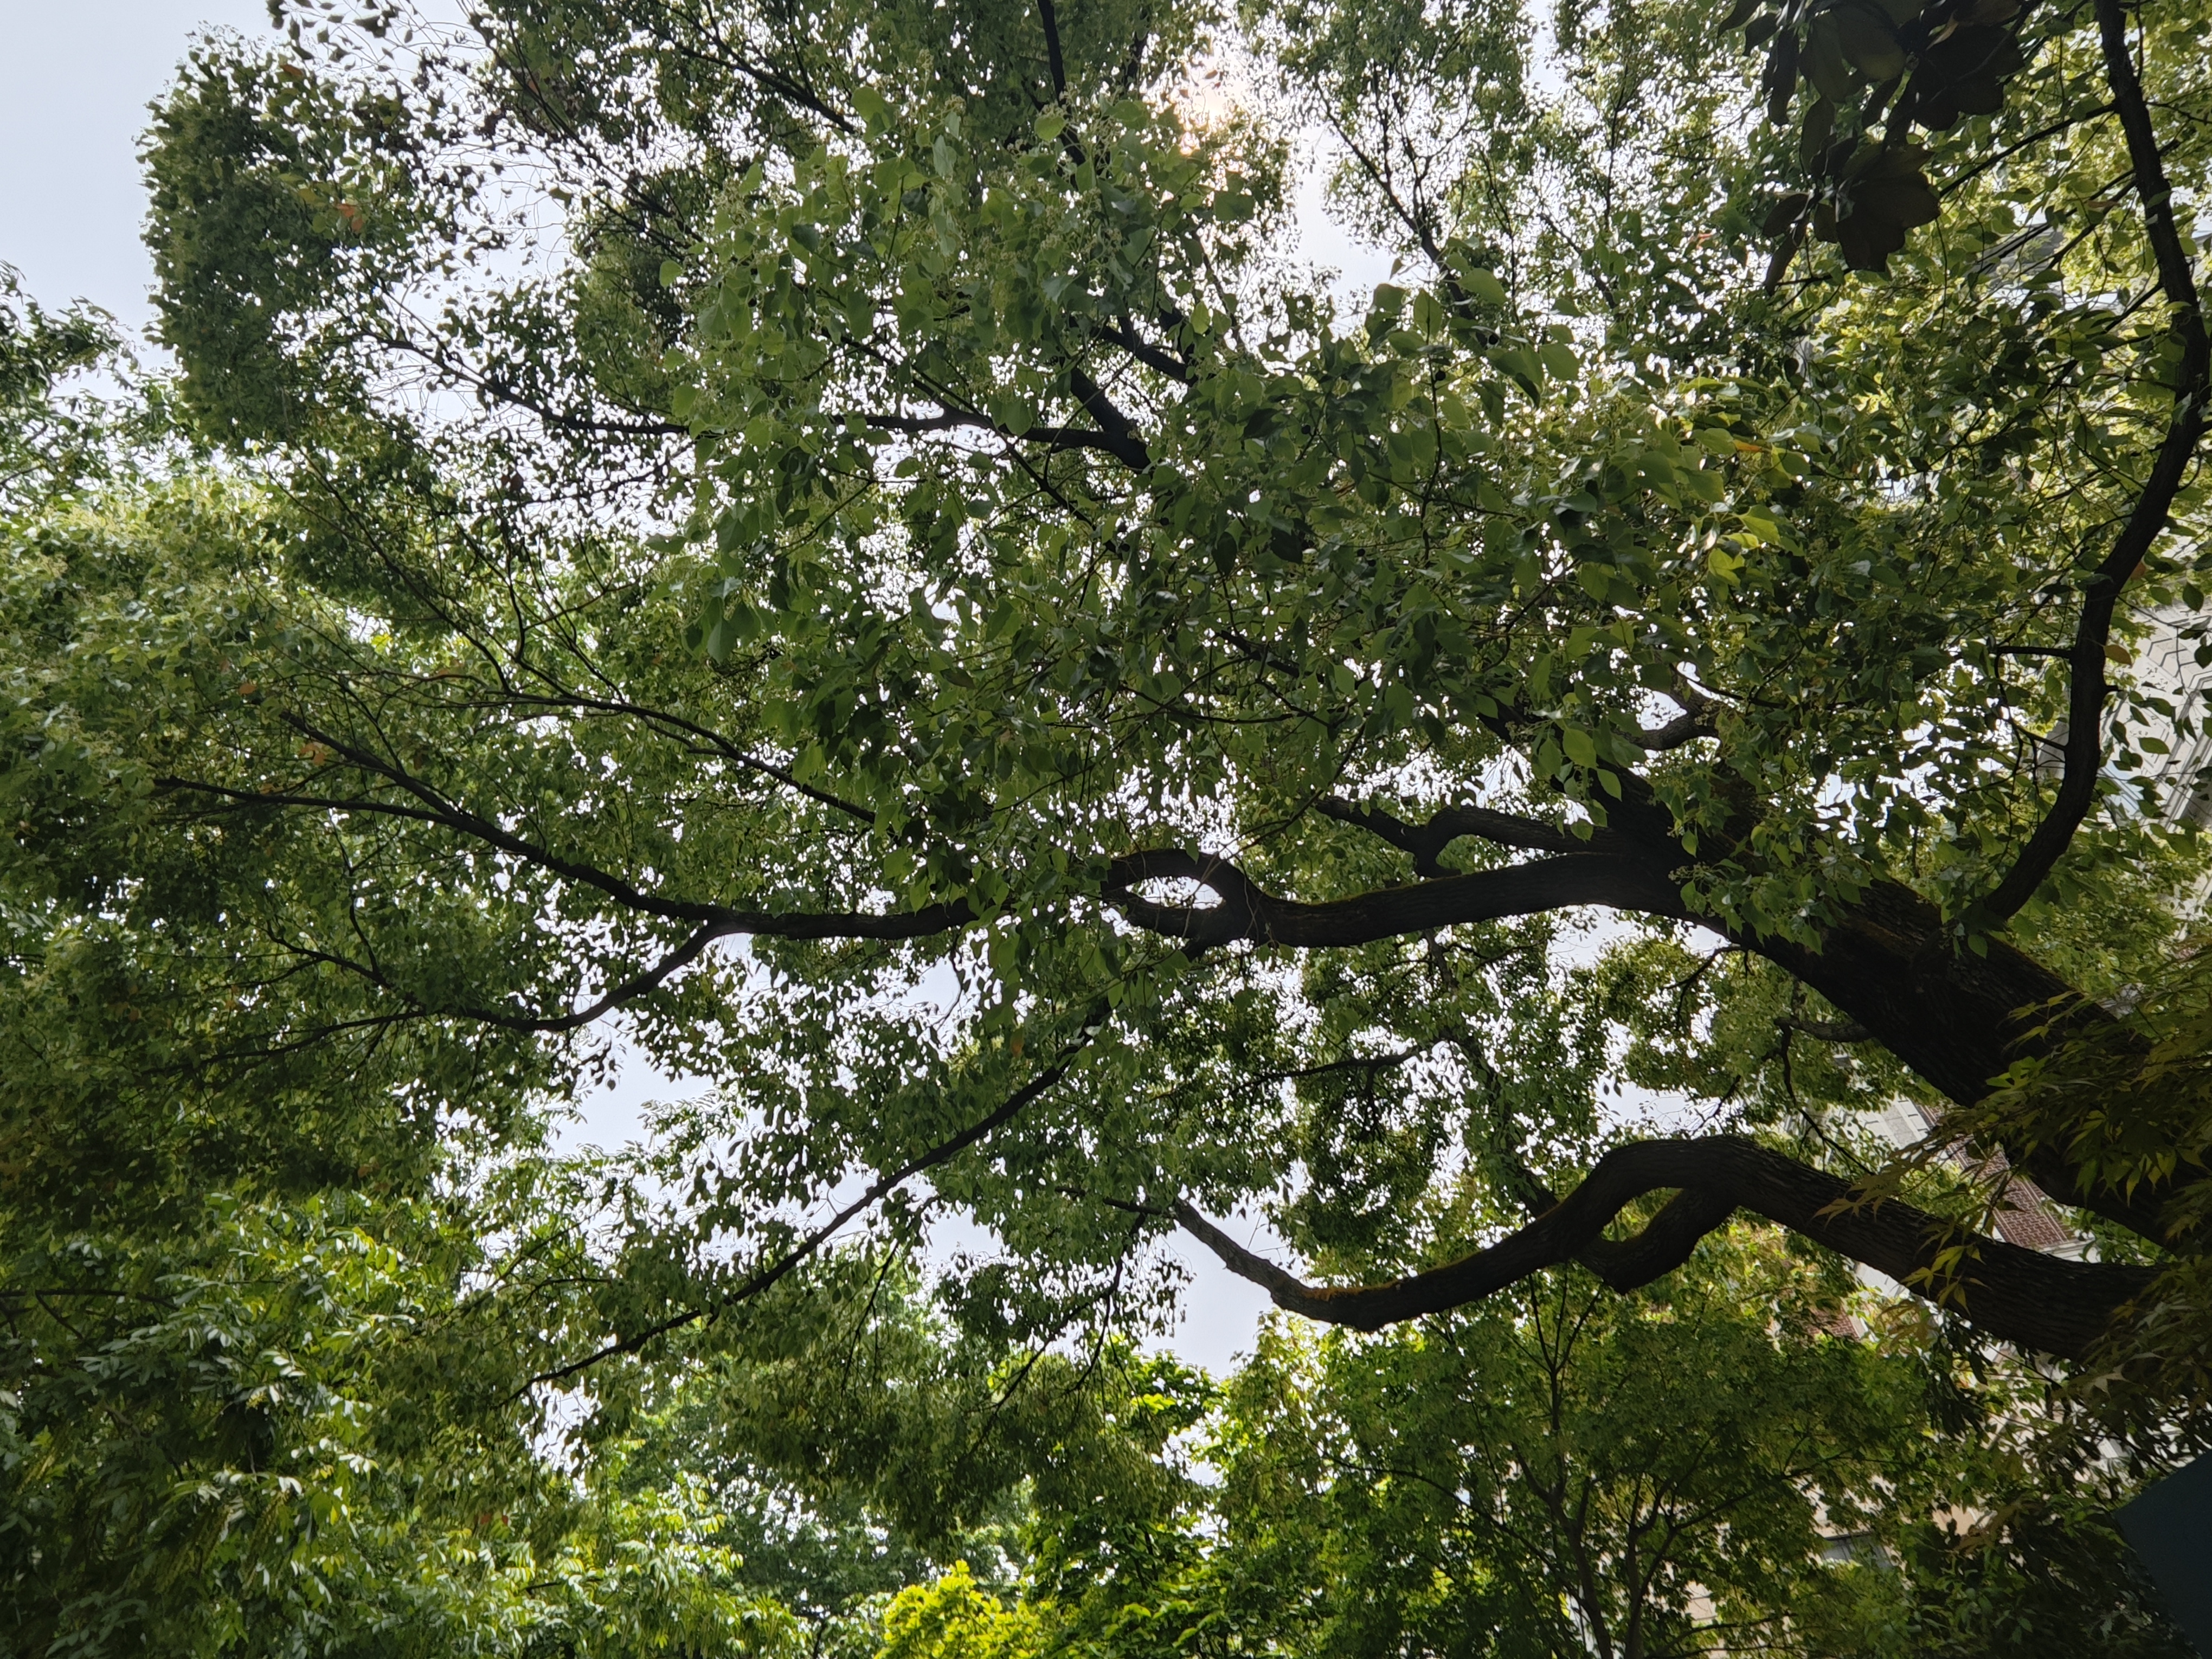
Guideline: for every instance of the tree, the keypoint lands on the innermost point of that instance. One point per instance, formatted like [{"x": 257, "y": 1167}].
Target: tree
[
  {"x": 910, "y": 537},
  {"x": 1584, "y": 1485},
  {"x": 1727, "y": 1461},
  {"x": 276, "y": 1426},
  {"x": 1564, "y": 1470},
  {"x": 274, "y": 1322},
  {"x": 951, "y": 1618}
]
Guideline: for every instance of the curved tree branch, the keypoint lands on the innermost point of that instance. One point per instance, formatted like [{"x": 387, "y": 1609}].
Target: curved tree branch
[
  {"x": 715, "y": 920},
  {"x": 1248, "y": 913},
  {"x": 1427, "y": 840},
  {"x": 2085, "y": 708},
  {"x": 1956, "y": 1018},
  {"x": 2017, "y": 1294}
]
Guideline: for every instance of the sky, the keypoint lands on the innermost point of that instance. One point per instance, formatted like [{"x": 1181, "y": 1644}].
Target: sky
[{"x": 76, "y": 78}]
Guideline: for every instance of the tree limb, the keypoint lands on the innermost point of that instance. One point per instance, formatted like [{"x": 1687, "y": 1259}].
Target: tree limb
[
  {"x": 1155, "y": 357},
  {"x": 1051, "y": 437},
  {"x": 2085, "y": 711},
  {"x": 638, "y": 985},
  {"x": 1053, "y": 62},
  {"x": 717, "y": 920},
  {"x": 1427, "y": 840},
  {"x": 662, "y": 719},
  {"x": 1248, "y": 913},
  {"x": 1122, "y": 438},
  {"x": 754, "y": 1283},
  {"x": 1686, "y": 727},
  {"x": 2017, "y": 1294}
]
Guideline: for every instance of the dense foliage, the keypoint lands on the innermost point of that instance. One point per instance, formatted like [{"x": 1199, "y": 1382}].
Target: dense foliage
[{"x": 837, "y": 549}]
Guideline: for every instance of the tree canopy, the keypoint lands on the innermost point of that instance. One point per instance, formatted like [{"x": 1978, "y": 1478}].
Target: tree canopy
[{"x": 839, "y": 549}]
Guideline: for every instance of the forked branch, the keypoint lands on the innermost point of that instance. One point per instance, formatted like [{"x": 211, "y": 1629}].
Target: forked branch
[{"x": 1427, "y": 841}]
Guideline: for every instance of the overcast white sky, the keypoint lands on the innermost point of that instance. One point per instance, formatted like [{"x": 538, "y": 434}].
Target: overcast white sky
[{"x": 75, "y": 77}]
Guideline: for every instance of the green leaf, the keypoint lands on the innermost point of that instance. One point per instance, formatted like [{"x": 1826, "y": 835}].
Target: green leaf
[{"x": 1483, "y": 286}]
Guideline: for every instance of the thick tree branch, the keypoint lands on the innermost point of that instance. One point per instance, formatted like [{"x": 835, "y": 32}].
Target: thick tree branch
[
  {"x": 1957, "y": 1018},
  {"x": 1049, "y": 437},
  {"x": 2085, "y": 711},
  {"x": 1121, "y": 436},
  {"x": 1053, "y": 62},
  {"x": 1155, "y": 357},
  {"x": 1248, "y": 913},
  {"x": 2017, "y": 1294},
  {"x": 1687, "y": 727},
  {"x": 1954, "y": 1018}
]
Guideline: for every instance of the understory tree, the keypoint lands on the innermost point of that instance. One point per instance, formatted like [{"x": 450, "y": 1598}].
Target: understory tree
[
  {"x": 839, "y": 549},
  {"x": 1720, "y": 1463},
  {"x": 1755, "y": 1454}
]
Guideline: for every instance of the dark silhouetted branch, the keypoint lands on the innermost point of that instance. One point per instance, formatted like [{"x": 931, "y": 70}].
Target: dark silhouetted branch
[
  {"x": 1123, "y": 449},
  {"x": 1427, "y": 841},
  {"x": 2016, "y": 1295},
  {"x": 2085, "y": 709},
  {"x": 1122, "y": 438},
  {"x": 1053, "y": 62},
  {"x": 1247, "y": 913},
  {"x": 1153, "y": 356},
  {"x": 1686, "y": 727}
]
